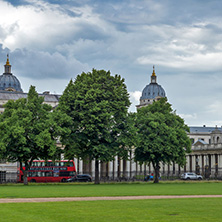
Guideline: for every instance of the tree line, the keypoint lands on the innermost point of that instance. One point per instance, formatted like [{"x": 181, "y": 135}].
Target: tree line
[{"x": 92, "y": 121}]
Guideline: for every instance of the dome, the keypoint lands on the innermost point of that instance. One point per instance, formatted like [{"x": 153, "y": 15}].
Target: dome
[
  {"x": 9, "y": 82},
  {"x": 152, "y": 91}
]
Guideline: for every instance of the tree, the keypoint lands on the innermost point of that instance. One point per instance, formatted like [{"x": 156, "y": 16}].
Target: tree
[
  {"x": 97, "y": 103},
  {"x": 127, "y": 139},
  {"x": 28, "y": 130},
  {"x": 162, "y": 136}
]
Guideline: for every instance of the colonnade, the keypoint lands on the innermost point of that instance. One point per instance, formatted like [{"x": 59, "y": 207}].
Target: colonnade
[{"x": 206, "y": 164}]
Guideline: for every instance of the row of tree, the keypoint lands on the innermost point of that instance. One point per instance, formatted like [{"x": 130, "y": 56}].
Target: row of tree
[{"x": 92, "y": 121}]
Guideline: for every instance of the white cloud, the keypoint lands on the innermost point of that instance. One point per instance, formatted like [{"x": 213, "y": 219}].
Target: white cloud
[
  {"x": 135, "y": 95},
  {"x": 134, "y": 99},
  {"x": 42, "y": 25}
]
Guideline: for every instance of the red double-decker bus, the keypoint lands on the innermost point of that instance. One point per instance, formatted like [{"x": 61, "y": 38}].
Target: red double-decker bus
[{"x": 49, "y": 171}]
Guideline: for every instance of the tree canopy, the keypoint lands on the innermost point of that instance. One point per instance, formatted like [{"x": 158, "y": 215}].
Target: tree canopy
[
  {"x": 162, "y": 136},
  {"x": 29, "y": 129},
  {"x": 97, "y": 102}
]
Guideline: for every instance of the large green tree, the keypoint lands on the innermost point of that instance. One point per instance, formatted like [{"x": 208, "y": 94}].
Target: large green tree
[
  {"x": 162, "y": 136},
  {"x": 29, "y": 129},
  {"x": 97, "y": 102}
]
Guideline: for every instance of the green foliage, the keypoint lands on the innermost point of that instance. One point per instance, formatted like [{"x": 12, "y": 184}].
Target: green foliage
[
  {"x": 28, "y": 129},
  {"x": 162, "y": 135},
  {"x": 97, "y": 103},
  {"x": 127, "y": 138}
]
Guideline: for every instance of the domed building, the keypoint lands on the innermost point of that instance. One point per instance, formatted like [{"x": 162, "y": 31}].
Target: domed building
[
  {"x": 9, "y": 82},
  {"x": 10, "y": 89},
  {"x": 151, "y": 92}
]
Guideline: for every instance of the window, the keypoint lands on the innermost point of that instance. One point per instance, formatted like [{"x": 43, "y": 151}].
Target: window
[
  {"x": 64, "y": 174},
  {"x": 48, "y": 174}
]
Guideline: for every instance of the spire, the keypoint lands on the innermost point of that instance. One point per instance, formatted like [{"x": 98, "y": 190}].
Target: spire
[
  {"x": 153, "y": 76},
  {"x": 7, "y": 62},
  {"x": 7, "y": 66}
]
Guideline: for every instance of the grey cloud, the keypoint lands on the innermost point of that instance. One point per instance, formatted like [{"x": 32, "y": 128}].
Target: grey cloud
[{"x": 43, "y": 65}]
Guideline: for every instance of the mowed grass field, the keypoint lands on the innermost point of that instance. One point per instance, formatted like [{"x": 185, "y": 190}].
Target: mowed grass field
[
  {"x": 124, "y": 189},
  {"x": 198, "y": 209},
  {"x": 187, "y": 210}
]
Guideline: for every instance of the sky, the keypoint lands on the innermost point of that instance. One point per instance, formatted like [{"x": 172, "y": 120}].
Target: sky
[{"x": 51, "y": 42}]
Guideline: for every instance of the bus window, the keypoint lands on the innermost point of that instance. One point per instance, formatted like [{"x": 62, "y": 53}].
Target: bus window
[
  {"x": 71, "y": 164},
  {"x": 64, "y": 173},
  {"x": 61, "y": 164},
  {"x": 56, "y": 163},
  {"x": 71, "y": 173},
  {"x": 49, "y": 164},
  {"x": 48, "y": 174}
]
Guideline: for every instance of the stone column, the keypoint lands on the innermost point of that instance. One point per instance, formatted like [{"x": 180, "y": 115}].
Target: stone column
[
  {"x": 113, "y": 173},
  {"x": 130, "y": 165},
  {"x": 216, "y": 166},
  {"x": 191, "y": 166},
  {"x": 197, "y": 164},
  {"x": 124, "y": 168},
  {"x": 202, "y": 164}
]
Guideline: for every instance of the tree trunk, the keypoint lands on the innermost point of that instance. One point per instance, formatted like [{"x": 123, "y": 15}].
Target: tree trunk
[
  {"x": 25, "y": 178},
  {"x": 157, "y": 172},
  {"x": 25, "y": 172},
  {"x": 97, "y": 172}
]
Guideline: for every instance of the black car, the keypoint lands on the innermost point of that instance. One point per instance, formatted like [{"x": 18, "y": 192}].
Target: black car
[{"x": 80, "y": 178}]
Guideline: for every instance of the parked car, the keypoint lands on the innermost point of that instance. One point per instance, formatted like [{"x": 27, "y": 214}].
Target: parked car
[
  {"x": 191, "y": 176},
  {"x": 80, "y": 178}
]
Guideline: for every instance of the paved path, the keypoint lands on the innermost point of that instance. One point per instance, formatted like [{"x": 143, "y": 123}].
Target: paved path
[{"x": 57, "y": 199}]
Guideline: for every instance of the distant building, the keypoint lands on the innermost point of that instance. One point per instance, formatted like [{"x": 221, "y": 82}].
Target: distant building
[
  {"x": 10, "y": 89},
  {"x": 151, "y": 92},
  {"x": 206, "y": 156}
]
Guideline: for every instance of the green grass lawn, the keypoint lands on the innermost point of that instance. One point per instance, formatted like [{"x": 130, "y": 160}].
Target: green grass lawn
[
  {"x": 133, "y": 189},
  {"x": 195, "y": 210}
]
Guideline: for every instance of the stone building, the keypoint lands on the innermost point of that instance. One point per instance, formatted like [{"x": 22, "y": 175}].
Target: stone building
[{"x": 206, "y": 155}]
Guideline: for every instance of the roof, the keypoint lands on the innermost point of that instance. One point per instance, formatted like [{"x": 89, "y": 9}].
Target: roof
[
  {"x": 152, "y": 90},
  {"x": 7, "y": 80},
  {"x": 7, "y": 95},
  {"x": 203, "y": 129},
  {"x": 199, "y": 142}
]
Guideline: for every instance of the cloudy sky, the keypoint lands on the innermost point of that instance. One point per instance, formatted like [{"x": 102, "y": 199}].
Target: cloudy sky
[{"x": 50, "y": 42}]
